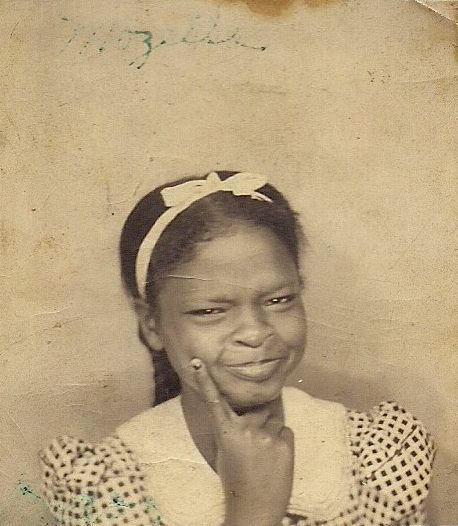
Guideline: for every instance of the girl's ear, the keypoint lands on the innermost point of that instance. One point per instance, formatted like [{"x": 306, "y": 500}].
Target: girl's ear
[{"x": 148, "y": 325}]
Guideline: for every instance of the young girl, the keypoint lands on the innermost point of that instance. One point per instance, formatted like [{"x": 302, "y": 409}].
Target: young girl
[{"x": 212, "y": 268}]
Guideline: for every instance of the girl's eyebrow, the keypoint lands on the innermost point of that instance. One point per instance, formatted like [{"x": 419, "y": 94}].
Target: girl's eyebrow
[
  {"x": 220, "y": 297},
  {"x": 285, "y": 285},
  {"x": 216, "y": 300},
  {"x": 193, "y": 297}
]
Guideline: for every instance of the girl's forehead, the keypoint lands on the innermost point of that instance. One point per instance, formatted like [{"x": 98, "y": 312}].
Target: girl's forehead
[{"x": 249, "y": 257}]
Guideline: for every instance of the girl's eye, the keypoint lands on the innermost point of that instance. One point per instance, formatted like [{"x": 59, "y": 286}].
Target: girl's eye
[
  {"x": 282, "y": 300},
  {"x": 206, "y": 312}
]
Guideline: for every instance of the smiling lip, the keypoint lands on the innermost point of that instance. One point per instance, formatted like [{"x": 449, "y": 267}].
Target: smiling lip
[{"x": 255, "y": 371}]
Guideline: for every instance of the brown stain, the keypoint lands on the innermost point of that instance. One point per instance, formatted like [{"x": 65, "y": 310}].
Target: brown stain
[
  {"x": 7, "y": 238},
  {"x": 276, "y": 7},
  {"x": 48, "y": 242},
  {"x": 318, "y": 3},
  {"x": 455, "y": 44}
]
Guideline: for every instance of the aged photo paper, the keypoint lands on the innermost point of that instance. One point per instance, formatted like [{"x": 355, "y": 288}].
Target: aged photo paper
[{"x": 349, "y": 107}]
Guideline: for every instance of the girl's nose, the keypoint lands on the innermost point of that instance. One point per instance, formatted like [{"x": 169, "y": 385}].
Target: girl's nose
[{"x": 252, "y": 329}]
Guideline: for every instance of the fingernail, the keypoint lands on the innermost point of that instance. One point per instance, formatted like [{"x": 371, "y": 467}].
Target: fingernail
[{"x": 196, "y": 364}]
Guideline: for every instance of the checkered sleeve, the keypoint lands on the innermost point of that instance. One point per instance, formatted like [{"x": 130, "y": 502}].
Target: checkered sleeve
[
  {"x": 395, "y": 454},
  {"x": 101, "y": 484}
]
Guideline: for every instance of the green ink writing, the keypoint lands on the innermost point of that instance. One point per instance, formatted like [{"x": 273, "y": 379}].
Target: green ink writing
[
  {"x": 27, "y": 490},
  {"x": 193, "y": 34}
]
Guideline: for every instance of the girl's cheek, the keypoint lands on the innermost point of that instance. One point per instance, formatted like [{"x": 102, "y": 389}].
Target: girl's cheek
[
  {"x": 188, "y": 342},
  {"x": 291, "y": 327}
]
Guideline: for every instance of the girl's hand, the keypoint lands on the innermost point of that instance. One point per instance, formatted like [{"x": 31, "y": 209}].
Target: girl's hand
[{"x": 255, "y": 457}]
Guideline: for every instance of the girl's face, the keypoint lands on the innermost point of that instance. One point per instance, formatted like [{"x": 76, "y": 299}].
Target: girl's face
[{"x": 237, "y": 306}]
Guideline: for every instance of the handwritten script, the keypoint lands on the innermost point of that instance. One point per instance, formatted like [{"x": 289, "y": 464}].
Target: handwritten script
[{"x": 140, "y": 44}]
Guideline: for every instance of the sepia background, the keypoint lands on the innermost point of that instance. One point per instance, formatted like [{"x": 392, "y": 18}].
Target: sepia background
[{"x": 348, "y": 106}]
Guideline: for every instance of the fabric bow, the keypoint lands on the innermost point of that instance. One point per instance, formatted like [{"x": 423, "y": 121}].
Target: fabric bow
[
  {"x": 178, "y": 198},
  {"x": 243, "y": 183}
]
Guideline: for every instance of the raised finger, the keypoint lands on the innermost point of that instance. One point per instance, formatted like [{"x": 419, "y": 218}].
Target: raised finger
[
  {"x": 270, "y": 416},
  {"x": 217, "y": 406},
  {"x": 288, "y": 436},
  {"x": 255, "y": 417},
  {"x": 274, "y": 426}
]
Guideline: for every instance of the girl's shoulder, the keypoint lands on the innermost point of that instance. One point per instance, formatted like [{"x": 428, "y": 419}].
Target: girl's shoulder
[
  {"x": 90, "y": 483},
  {"x": 104, "y": 482},
  {"x": 390, "y": 452},
  {"x": 394, "y": 455},
  {"x": 388, "y": 432},
  {"x": 391, "y": 445},
  {"x": 384, "y": 431}
]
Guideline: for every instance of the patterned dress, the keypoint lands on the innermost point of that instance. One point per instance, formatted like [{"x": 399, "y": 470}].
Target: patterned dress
[{"x": 351, "y": 468}]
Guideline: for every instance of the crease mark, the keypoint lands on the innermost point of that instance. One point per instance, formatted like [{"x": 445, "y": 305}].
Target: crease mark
[
  {"x": 46, "y": 313},
  {"x": 445, "y": 8},
  {"x": 168, "y": 459},
  {"x": 19, "y": 428},
  {"x": 432, "y": 80}
]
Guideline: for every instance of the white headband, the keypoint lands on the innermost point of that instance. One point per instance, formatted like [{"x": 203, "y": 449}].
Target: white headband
[{"x": 179, "y": 198}]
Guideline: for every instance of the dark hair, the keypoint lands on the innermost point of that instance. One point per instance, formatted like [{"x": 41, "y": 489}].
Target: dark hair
[{"x": 209, "y": 217}]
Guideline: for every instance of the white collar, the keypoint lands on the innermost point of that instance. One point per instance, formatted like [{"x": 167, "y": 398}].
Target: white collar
[{"x": 186, "y": 490}]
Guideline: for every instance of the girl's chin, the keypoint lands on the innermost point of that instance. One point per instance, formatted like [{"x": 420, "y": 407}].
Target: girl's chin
[{"x": 243, "y": 403}]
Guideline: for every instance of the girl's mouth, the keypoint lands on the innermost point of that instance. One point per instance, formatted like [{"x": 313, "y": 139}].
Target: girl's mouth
[{"x": 255, "y": 371}]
